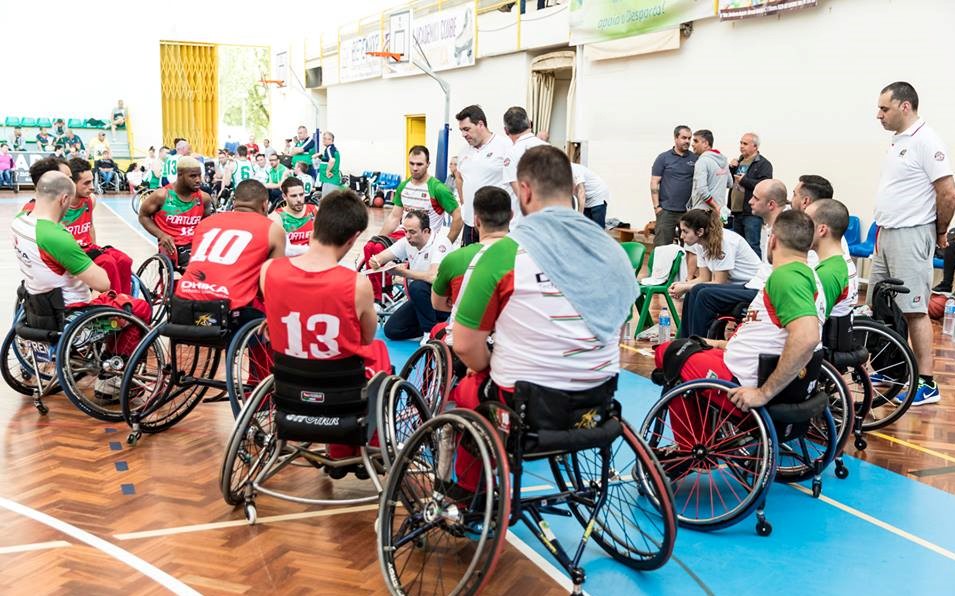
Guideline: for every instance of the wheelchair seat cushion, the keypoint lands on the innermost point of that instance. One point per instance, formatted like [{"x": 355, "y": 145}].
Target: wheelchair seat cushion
[
  {"x": 557, "y": 420},
  {"x": 320, "y": 401}
]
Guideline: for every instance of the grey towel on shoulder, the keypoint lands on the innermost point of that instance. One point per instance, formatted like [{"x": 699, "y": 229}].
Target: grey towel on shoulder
[{"x": 587, "y": 266}]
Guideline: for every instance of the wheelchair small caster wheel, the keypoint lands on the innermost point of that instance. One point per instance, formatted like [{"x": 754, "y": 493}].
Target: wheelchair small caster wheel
[
  {"x": 133, "y": 438},
  {"x": 861, "y": 444},
  {"x": 763, "y": 528},
  {"x": 250, "y": 513},
  {"x": 816, "y": 488},
  {"x": 842, "y": 472}
]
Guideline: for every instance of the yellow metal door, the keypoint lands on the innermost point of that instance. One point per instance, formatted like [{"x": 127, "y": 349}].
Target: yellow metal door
[{"x": 415, "y": 134}]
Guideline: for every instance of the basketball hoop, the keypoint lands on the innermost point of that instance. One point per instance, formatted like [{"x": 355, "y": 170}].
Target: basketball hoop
[
  {"x": 396, "y": 56},
  {"x": 276, "y": 82}
]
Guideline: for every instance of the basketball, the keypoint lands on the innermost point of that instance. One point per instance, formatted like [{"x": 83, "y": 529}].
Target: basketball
[
  {"x": 378, "y": 202},
  {"x": 936, "y": 306}
]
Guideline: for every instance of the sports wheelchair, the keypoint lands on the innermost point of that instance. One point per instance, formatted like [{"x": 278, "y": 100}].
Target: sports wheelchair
[
  {"x": 176, "y": 364},
  {"x": 78, "y": 351},
  {"x": 304, "y": 403},
  {"x": 437, "y": 535},
  {"x": 721, "y": 460},
  {"x": 389, "y": 292}
]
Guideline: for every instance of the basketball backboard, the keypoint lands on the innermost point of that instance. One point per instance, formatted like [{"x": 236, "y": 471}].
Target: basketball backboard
[{"x": 398, "y": 40}]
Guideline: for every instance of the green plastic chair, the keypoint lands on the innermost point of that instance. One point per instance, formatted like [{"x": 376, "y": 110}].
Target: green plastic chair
[
  {"x": 648, "y": 292},
  {"x": 636, "y": 251},
  {"x": 12, "y": 121},
  {"x": 26, "y": 122},
  {"x": 44, "y": 122},
  {"x": 76, "y": 123}
]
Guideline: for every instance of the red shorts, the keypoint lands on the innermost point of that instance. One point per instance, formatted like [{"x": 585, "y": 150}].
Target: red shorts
[{"x": 117, "y": 264}]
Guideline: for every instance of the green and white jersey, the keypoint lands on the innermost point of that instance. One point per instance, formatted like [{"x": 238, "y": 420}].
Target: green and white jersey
[
  {"x": 50, "y": 258},
  {"x": 332, "y": 176},
  {"x": 432, "y": 197},
  {"x": 242, "y": 170},
  {"x": 307, "y": 181},
  {"x": 276, "y": 175},
  {"x": 260, "y": 174},
  {"x": 840, "y": 283},
  {"x": 170, "y": 168},
  {"x": 792, "y": 291},
  {"x": 538, "y": 335}
]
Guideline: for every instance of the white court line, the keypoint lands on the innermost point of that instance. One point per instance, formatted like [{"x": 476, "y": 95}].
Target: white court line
[
  {"x": 159, "y": 576},
  {"x": 22, "y": 548},
  {"x": 149, "y": 239},
  {"x": 241, "y": 522},
  {"x": 545, "y": 565},
  {"x": 881, "y": 524}
]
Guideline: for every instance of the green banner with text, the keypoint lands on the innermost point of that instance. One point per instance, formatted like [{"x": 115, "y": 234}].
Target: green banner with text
[{"x": 603, "y": 20}]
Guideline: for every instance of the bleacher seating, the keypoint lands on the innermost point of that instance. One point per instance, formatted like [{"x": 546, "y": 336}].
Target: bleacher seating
[
  {"x": 864, "y": 249},
  {"x": 81, "y": 126}
]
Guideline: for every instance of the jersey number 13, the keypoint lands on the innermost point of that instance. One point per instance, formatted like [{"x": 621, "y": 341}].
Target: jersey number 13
[{"x": 327, "y": 346}]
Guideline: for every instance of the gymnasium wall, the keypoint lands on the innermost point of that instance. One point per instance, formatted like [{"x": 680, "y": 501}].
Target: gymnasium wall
[{"x": 807, "y": 82}]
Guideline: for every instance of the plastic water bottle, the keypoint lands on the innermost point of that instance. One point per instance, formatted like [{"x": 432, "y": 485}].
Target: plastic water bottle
[
  {"x": 663, "y": 327},
  {"x": 949, "y": 323}
]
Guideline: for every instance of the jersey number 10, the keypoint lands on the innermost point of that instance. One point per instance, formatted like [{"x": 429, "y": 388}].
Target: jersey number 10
[{"x": 223, "y": 247}]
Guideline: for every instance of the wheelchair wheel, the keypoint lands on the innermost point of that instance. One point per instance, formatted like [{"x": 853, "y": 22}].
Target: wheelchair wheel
[
  {"x": 249, "y": 360},
  {"x": 251, "y": 445},
  {"x": 429, "y": 370},
  {"x": 137, "y": 199},
  {"x": 718, "y": 459},
  {"x": 892, "y": 369},
  {"x": 156, "y": 276},
  {"x": 17, "y": 368},
  {"x": 435, "y": 536},
  {"x": 804, "y": 457},
  {"x": 90, "y": 359},
  {"x": 402, "y": 410},
  {"x": 636, "y": 524},
  {"x": 158, "y": 387}
]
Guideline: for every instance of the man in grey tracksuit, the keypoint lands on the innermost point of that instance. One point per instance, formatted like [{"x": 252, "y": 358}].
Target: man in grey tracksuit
[{"x": 711, "y": 175}]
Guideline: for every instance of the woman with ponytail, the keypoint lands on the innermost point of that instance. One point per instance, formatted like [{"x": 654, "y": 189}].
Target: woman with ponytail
[{"x": 722, "y": 256}]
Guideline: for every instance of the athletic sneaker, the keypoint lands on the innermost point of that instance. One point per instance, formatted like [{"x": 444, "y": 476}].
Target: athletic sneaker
[
  {"x": 943, "y": 289},
  {"x": 924, "y": 395}
]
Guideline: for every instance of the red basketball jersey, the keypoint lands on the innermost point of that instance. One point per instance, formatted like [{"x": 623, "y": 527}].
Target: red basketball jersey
[
  {"x": 227, "y": 255},
  {"x": 311, "y": 314},
  {"x": 178, "y": 218},
  {"x": 79, "y": 222}
]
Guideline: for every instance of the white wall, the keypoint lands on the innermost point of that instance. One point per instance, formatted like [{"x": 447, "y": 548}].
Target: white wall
[
  {"x": 807, "y": 82},
  {"x": 368, "y": 117},
  {"x": 53, "y": 79}
]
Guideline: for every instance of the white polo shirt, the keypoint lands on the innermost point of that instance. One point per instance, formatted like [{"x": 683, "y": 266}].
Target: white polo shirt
[
  {"x": 739, "y": 259},
  {"x": 595, "y": 189},
  {"x": 914, "y": 161},
  {"x": 422, "y": 259},
  {"x": 480, "y": 167}
]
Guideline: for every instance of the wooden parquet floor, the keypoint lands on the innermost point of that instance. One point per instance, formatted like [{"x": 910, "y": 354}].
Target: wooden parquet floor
[{"x": 82, "y": 472}]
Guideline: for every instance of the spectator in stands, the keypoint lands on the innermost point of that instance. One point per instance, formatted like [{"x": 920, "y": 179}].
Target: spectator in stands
[
  {"x": 119, "y": 118},
  {"x": 70, "y": 139},
  {"x": 6, "y": 166},
  {"x": 452, "y": 180},
  {"x": 267, "y": 148},
  {"x": 44, "y": 141},
  {"x": 749, "y": 169},
  {"x": 252, "y": 145},
  {"x": 329, "y": 172},
  {"x": 592, "y": 194},
  {"x": 18, "y": 142},
  {"x": 106, "y": 168},
  {"x": 671, "y": 180},
  {"x": 98, "y": 146},
  {"x": 230, "y": 145},
  {"x": 59, "y": 129},
  {"x": 711, "y": 175},
  {"x": 58, "y": 151}
]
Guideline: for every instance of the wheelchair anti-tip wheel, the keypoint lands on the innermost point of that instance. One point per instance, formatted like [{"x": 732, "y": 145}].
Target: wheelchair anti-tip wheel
[{"x": 435, "y": 536}]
